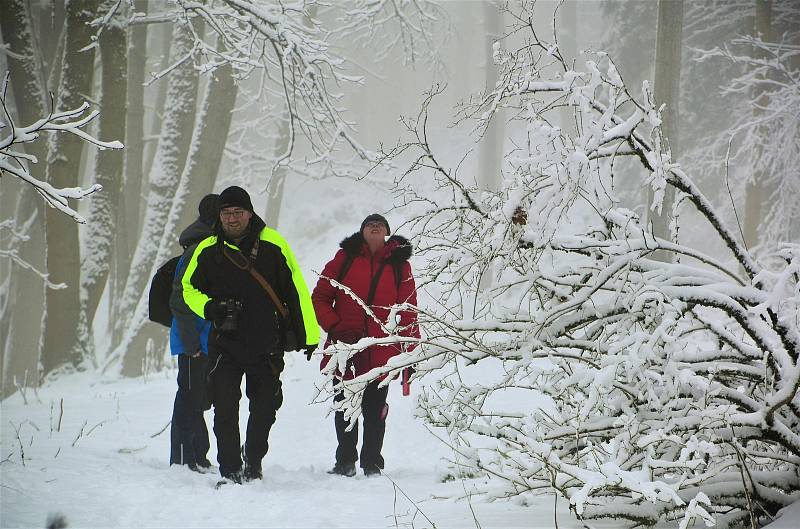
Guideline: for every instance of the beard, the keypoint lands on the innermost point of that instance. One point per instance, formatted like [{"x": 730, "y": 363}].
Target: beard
[{"x": 235, "y": 232}]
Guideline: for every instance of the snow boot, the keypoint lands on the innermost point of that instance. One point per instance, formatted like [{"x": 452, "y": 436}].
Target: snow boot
[
  {"x": 231, "y": 477},
  {"x": 371, "y": 471},
  {"x": 252, "y": 472},
  {"x": 344, "y": 469}
]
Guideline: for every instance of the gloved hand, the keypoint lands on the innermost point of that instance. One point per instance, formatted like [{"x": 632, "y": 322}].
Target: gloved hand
[
  {"x": 214, "y": 311},
  {"x": 310, "y": 351},
  {"x": 345, "y": 335}
]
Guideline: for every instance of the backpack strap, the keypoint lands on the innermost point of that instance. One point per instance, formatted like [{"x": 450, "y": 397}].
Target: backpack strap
[
  {"x": 398, "y": 275},
  {"x": 373, "y": 287},
  {"x": 348, "y": 262}
]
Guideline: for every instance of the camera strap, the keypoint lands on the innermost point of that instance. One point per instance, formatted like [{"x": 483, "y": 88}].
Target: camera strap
[{"x": 258, "y": 277}]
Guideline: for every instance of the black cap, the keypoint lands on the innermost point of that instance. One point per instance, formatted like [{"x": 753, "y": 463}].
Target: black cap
[
  {"x": 233, "y": 197},
  {"x": 375, "y": 217},
  {"x": 208, "y": 208}
]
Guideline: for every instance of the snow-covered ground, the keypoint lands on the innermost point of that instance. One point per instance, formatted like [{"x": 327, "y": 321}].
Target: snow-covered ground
[{"x": 107, "y": 466}]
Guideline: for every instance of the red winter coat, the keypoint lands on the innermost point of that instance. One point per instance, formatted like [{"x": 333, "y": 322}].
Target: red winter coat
[{"x": 344, "y": 320}]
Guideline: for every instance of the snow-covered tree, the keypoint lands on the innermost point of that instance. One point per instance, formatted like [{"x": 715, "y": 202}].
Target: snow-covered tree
[
  {"x": 635, "y": 388},
  {"x": 20, "y": 328},
  {"x": 196, "y": 180},
  {"x": 765, "y": 136},
  {"x": 17, "y": 164},
  {"x": 170, "y": 159},
  {"x": 60, "y": 341},
  {"x": 99, "y": 238}
]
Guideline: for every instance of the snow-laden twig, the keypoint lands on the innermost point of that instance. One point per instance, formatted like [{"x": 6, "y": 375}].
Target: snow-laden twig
[
  {"x": 629, "y": 373},
  {"x": 15, "y": 163}
]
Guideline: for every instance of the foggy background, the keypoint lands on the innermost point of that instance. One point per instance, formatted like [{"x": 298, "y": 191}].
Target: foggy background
[{"x": 97, "y": 320}]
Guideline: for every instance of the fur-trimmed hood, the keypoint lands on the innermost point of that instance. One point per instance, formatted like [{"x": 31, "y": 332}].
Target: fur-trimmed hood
[{"x": 398, "y": 249}]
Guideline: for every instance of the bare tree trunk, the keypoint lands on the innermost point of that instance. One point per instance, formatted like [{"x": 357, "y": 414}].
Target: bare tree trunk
[
  {"x": 51, "y": 26},
  {"x": 161, "y": 98},
  {"x": 272, "y": 214},
  {"x": 20, "y": 327},
  {"x": 173, "y": 149},
  {"x": 99, "y": 243},
  {"x": 568, "y": 45},
  {"x": 669, "y": 40},
  {"x": 491, "y": 146},
  {"x": 754, "y": 188},
  {"x": 128, "y": 213},
  {"x": 208, "y": 144},
  {"x": 63, "y": 163},
  {"x": 277, "y": 181},
  {"x": 211, "y": 132}
]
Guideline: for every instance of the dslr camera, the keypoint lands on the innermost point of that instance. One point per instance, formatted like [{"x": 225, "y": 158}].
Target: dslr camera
[{"x": 229, "y": 323}]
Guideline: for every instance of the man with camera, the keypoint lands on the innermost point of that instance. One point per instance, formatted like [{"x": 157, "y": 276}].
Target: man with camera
[{"x": 246, "y": 280}]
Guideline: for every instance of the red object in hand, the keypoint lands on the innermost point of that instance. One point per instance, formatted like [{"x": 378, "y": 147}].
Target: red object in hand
[{"x": 406, "y": 383}]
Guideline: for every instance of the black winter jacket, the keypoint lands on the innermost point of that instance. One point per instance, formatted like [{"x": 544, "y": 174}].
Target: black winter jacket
[{"x": 210, "y": 275}]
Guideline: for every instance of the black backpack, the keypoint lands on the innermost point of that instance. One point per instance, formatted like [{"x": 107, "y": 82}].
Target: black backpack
[{"x": 160, "y": 292}]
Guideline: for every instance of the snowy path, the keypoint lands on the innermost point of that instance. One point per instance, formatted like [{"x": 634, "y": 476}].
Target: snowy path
[{"x": 118, "y": 476}]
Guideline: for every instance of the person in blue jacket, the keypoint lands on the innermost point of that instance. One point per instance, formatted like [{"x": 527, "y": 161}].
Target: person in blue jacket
[{"x": 188, "y": 339}]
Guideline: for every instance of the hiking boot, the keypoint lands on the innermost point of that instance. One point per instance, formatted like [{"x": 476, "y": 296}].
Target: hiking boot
[
  {"x": 233, "y": 477},
  {"x": 344, "y": 469},
  {"x": 203, "y": 467},
  {"x": 252, "y": 472},
  {"x": 372, "y": 470}
]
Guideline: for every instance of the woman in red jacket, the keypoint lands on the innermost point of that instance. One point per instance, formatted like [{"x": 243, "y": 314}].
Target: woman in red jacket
[{"x": 377, "y": 271}]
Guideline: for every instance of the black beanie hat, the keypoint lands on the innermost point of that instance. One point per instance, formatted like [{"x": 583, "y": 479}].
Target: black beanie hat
[
  {"x": 208, "y": 208},
  {"x": 375, "y": 217},
  {"x": 235, "y": 196}
]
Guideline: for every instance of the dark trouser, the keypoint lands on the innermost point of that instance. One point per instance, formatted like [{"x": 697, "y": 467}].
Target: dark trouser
[
  {"x": 263, "y": 390},
  {"x": 372, "y": 409},
  {"x": 188, "y": 434}
]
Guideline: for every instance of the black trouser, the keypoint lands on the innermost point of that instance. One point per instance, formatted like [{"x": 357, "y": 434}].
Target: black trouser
[
  {"x": 188, "y": 434},
  {"x": 263, "y": 390},
  {"x": 372, "y": 409}
]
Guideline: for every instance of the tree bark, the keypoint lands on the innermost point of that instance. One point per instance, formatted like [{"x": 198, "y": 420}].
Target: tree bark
[
  {"x": 277, "y": 181},
  {"x": 128, "y": 213},
  {"x": 20, "y": 327},
  {"x": 51, "y": 25},
  {"x": 568, "y": 46},
  {"x": 208, "y": 145},
  {"x": 21, "y": 314},
  {"x": 99, "y": 243},
  {"x": 173, "y": 149},
  {"x": 64, "y": 159},
  {"x": 161, "y": 98},
  {"x": 197, "y": 180},
  {"x": 754, "y": 188},
  {"x": 491, "y": 146},
  {"x": 669, "y": 40}
]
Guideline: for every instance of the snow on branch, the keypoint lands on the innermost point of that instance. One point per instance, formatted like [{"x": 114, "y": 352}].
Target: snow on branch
[
  {"x": 292, "y": 48},
  {"x": 284, "y": 41},
  {"x": 765, "y": 136},
  {"x": 564, "y": 356},
  {"x": 15, "y": 162}
]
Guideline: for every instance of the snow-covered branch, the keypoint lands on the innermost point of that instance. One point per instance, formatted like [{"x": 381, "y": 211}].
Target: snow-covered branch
[{"x": 15, "y": 163}]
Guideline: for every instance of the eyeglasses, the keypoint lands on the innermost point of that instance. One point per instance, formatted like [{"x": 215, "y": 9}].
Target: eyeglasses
[
  {"x": 374, "y": 224},
  {"x": 233, "y": 214}
]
